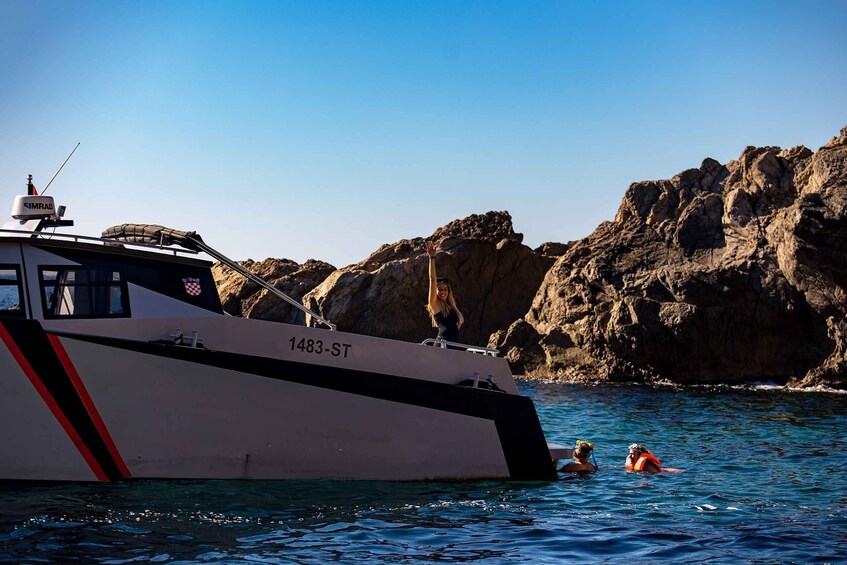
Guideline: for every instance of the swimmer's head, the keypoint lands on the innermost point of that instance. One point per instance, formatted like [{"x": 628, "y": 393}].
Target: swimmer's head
[{"x": 583, "y": 448}]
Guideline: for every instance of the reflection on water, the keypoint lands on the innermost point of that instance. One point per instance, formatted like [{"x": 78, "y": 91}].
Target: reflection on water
[{"x": 764, "y": 480}]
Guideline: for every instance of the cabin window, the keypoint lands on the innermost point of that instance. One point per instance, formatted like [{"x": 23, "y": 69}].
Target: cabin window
[
  {"x": 10, "y": 291},
  {"x": 72, "y": 292}
]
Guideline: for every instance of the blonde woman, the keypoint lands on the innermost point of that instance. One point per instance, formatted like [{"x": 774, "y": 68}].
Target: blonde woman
[{"x": 442, "y": 305}]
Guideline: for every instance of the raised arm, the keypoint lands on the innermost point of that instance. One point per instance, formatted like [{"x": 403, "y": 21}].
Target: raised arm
[{"x": 433, "y": 285}]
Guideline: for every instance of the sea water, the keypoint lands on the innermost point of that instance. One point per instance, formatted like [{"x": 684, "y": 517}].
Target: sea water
[{"x": 764, "y": 480}]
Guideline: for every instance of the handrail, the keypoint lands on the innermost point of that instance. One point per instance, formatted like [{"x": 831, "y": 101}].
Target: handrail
[
  {"x": 107, "y": 242},
  {"x": 256, "y": 279},
  {"x": 443, "y": 343}
]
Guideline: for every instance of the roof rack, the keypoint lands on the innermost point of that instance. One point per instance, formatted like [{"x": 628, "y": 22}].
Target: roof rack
[{"x": 104, "y": 241}]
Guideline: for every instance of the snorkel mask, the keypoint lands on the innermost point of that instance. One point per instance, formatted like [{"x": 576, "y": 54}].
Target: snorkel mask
[{"x": 590, "y": 445}]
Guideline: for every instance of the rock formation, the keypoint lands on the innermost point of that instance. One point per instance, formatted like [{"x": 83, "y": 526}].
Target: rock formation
[
  {"x": 493, "y": 275},
  {"x": 724, "y": 273},
  {"x": 241, "y": 297}
]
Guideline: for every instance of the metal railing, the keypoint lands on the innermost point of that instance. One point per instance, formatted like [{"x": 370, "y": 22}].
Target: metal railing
[
  {"x": 443, "y": 344},
  {"x": 258, "y": 280}
]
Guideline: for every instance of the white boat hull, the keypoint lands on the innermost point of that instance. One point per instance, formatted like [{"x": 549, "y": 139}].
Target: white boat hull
[{"x": 117, "y": 399}]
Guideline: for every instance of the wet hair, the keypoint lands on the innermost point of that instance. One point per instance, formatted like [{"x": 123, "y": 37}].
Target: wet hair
[{"x": 583, "y": 449}]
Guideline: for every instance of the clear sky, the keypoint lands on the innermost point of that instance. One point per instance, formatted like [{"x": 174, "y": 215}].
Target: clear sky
[{"x": 310, "y": 129}]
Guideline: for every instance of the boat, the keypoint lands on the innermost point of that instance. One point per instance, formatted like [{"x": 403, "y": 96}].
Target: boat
[{"x": 118, "y": 362}]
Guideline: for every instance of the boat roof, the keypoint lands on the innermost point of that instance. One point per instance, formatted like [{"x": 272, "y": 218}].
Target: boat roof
[{"x": 164, "y": 251}]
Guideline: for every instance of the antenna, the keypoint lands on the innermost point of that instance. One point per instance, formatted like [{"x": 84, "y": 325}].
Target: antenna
[{"x": 57, "y": 172}]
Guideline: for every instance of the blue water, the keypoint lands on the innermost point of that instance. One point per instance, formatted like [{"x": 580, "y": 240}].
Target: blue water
[{"x": 764, "y": 481}]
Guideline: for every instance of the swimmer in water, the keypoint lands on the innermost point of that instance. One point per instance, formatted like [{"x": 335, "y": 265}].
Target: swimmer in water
[
  {"x": 581, "y": 453},
  {"x": 640, "y": 459}
]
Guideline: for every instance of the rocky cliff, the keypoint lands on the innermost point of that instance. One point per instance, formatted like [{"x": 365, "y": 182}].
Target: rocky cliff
[
  {"x": 241, "y": 297},
  {"x": 493, "y": 275},
  {"x": 724, "y": 273}
]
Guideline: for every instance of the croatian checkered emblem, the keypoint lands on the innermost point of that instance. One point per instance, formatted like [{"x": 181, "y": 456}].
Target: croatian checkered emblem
[{"x": 192, "y": 286}]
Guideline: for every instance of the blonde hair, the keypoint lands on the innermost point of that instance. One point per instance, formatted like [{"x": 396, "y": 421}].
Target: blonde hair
[
  {"x": 583, "y": 449},
  {"x": 446, "y": 307}
]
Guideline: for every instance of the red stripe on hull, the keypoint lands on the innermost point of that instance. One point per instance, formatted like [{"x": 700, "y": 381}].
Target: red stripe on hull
[
  {"x": 51, "y": 404},
  {"x": 89, "y": 405}
]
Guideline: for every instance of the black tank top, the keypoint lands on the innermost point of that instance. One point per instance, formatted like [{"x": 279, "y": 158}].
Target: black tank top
[{"x": 448, "y": 325}]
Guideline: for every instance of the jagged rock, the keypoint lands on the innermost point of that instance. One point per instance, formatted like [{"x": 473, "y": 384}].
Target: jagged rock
[
  {"x": 833, "y": 371},
  {"x": 242, "y": 297},
  {"x": 552, "y": 248},
  {"x": 234, "y": 288},
  {"x": 493, "y": 275},
  {"x": 700, "y": 225},
  {"x": 726, "y": 273}
]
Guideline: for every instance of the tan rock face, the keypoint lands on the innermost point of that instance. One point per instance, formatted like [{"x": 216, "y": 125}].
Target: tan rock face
[
  {"x": 724, "y": 273},
  {"x": 493, "y": 275},
  {"x": 241, "y": 297}
]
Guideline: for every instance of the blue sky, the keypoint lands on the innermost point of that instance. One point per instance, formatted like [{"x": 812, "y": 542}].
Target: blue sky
[{"x": 309, "y": 129}]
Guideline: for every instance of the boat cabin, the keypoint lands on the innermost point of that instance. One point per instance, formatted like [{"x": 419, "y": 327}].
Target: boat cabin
[{"x": 46, "y": 277}]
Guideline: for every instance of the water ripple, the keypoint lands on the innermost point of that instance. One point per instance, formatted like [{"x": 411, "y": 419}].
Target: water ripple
[{"x": 763, "y": 481}]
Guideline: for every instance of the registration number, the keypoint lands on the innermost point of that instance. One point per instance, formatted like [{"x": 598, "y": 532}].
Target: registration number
[{"x": 318, "y": 347}]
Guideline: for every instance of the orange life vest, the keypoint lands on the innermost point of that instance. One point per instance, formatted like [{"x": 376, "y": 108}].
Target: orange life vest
[{"x": 642, "y": 460}]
